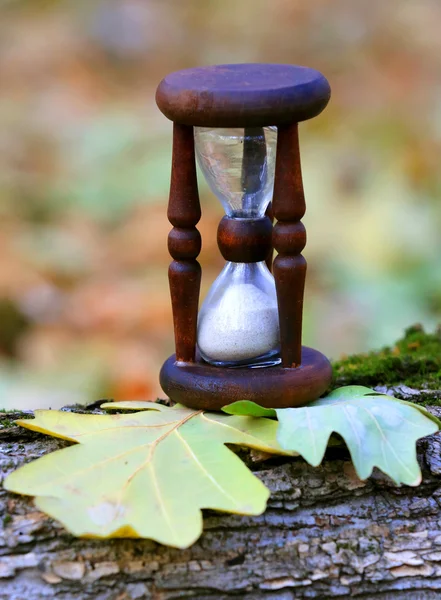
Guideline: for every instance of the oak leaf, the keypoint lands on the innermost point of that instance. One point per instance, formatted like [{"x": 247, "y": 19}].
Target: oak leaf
[
  {"x": 146, "y": 474},
  {"x": 379, "y": 431}
]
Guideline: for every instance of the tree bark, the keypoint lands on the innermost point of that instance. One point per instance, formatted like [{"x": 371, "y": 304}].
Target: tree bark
[{"x": 325, "y": 534}]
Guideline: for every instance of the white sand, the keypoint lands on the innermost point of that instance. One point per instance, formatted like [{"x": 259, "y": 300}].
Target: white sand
[{"x": 244, "y": 324}]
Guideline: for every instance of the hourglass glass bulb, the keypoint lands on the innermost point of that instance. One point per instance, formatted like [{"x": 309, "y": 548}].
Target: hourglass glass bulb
[
  {"x": 238, "y": 165},
  {"x": 238, "y": 323}
]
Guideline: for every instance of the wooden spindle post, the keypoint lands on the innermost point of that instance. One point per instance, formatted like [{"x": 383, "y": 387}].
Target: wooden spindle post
[
  {"x": 184, "y": 243},
  {"x": 289, "y": 239}
]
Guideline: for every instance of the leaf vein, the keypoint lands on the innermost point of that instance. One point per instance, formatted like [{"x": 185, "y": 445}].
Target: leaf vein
[{"x": 204, "y": 470}]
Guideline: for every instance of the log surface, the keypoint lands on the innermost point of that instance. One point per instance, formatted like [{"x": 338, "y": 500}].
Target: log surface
[{"x": 325, "y": 534}]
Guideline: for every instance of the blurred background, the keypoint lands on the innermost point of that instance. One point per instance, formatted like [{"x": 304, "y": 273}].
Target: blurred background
[{"x": 85, "y": 165}]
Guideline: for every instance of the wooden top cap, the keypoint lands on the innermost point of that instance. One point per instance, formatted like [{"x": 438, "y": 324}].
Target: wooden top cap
[{"x": 243, "y": 95}]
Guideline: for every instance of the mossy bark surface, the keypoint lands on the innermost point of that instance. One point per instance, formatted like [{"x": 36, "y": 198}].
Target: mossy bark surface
[
  {"x": 326, "y": 534},
  {"x": 410, "y": 369}
]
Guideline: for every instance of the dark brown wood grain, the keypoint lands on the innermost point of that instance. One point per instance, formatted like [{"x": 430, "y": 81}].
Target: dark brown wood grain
[
  {"x": 243, "y": 95},
  {"x": 289, "y": 238},
  {"x": 184, "y": 209},
  {"x": 203, "y": 386},
  {"x": 245, "y": 240},
  {"x": 184, "y": 243}
]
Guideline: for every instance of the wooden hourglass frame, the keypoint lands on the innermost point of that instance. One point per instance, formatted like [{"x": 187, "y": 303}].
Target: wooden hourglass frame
[{"x": 228, "y": 96}]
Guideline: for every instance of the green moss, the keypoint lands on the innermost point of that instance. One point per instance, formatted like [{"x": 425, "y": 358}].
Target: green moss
[
  {"x": 414, "y": 361},
  {"x": 7, "y": 519},
  {"x": 8, "y": 417},
  {"x": 18, "y": 414}
]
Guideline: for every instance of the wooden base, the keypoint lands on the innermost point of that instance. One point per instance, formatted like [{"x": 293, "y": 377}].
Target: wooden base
[{"x": 203, "y": 386}]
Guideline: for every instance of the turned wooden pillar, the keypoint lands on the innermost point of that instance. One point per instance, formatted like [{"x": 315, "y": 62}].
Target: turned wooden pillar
[
  {"x": 184, "y": 243},
  {"x": 289, "y": 239}
]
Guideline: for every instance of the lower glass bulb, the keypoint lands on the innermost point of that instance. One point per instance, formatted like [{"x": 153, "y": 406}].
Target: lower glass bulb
[{"x": 238, "y": 323}]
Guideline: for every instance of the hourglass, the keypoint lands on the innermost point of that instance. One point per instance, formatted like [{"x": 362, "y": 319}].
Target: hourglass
[{"x": 241, "y": 122}]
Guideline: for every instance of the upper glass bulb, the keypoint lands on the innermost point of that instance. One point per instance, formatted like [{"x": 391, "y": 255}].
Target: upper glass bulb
[{"x": 238, "y": 164}]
